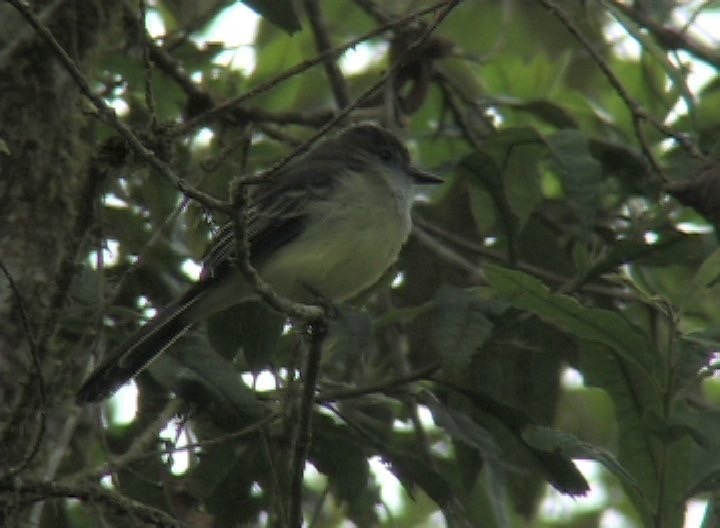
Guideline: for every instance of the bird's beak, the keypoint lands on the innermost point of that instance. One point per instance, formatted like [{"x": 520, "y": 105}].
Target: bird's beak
[{"x": 421, "y": 176}]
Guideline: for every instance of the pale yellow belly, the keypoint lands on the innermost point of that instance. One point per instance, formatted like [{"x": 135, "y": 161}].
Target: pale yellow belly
[
  {"x": 343, "y": 253},
  {"x": 338, "y": 265}
]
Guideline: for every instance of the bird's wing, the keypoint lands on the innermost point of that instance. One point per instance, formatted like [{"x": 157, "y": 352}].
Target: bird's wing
[{"x": 277, "y": 214}]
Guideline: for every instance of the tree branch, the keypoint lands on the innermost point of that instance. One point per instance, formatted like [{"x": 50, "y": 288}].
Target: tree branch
[
  {"x": 322, "y": 40},
  {"x": 671, "y": 39},
  {"x": 300, "y": 67},
  {"x": 302, "y": 433},
  {"x": 28, "y": 490}
]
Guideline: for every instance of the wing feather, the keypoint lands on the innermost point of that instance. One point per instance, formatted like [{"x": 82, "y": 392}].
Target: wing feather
[{"x": 277, "y": 214}]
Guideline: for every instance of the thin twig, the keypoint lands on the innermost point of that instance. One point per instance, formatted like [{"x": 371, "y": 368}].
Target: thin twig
[
  {"x": 461, "y": 117},
  {"x": 261, "y": 115},
  {"x": 126, "y": 459},
  {"x": 396, "y": 344},
  {"x": 301, "y": 437},
  {"x": 322, "y": 41},
  {"x": 96, "y": 174},
  {"x": 637, "y": 113},
  {"x": 166, "y": 63},
  {"x": 449, "y": 5},
  {"x": 53, "y": 458},
  {"x": 201, "y": 119},
  {"x": 671, "y": 39},
  {"x": 427, "y": 234},
  {"x": 146, "y": 437},
  {"x": 385, "y": 386},
  {"x": 442, "y": 250},
  {"x": 242, "y": 244}
]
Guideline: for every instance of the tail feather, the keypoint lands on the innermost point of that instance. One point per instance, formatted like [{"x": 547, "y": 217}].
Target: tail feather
[{"x": 141, "y": 348}]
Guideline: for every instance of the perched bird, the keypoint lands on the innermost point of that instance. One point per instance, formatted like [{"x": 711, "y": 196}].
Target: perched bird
[{"x": 329, "y": 223}]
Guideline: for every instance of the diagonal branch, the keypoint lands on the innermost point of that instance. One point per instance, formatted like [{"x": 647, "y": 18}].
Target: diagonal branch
[
  {"x": 669, "y": 38},
  {"x": 322, "y": 40},
  {"x": 636, "y": 111},
  {"x": 300, "y": 67}
]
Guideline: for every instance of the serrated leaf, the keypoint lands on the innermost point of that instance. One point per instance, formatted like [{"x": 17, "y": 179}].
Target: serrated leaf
[
  {"x": 634, "y": 398},
  {"x": 460, "y": 325},
  {"x": 594, "y": 324}
]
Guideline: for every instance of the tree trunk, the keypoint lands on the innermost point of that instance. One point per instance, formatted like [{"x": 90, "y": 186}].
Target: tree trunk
[{"x": 48, "y": 184}]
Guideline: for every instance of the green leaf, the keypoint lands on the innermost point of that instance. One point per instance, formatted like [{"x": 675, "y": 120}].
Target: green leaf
[
  {"x": 460, "y": 325},
  {"x": 593, "y": 324},
  {"x": 4, "y": 149},
  {"x": 669, "y": 247},
  {"x": 413, "y": 471},
  {"x": 634, "y": 399},
  {"x": 626, "y": 164},
  {"x": 704, "y": 459},
  {"x": 581, "y": 173},
  {"x": 551, "y": 440},
  {"x": 224, "y": 475},
  {"x": 547, "y": 111},
  {"x": 337, "y": 452},
  {"x": 199, "y": 375},
  {"x": 460, "y": 426},
  {"x": 350, "y": 336},
  {"x": 279, "y": 12},
  {"x": 252, "y": 328},
  {"x": 706, "y": 277},
  {"x": 506, "y": 167},
  {"x": 639, "y": 33},
  {"x": 559, "y": 471}
]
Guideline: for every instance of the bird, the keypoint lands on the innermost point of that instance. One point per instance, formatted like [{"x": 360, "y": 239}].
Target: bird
[{"x": 328, "y": 224}]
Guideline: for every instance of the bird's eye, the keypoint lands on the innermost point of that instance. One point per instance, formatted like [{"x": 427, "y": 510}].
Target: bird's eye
[{"x": 386, "y": 154}]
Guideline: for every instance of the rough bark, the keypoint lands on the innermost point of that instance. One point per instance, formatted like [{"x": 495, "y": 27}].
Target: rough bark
[{"x": 48, "y": 181}]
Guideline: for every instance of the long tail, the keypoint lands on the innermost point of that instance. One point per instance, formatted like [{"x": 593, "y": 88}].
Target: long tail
[{"x": 144, "y": 345}]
